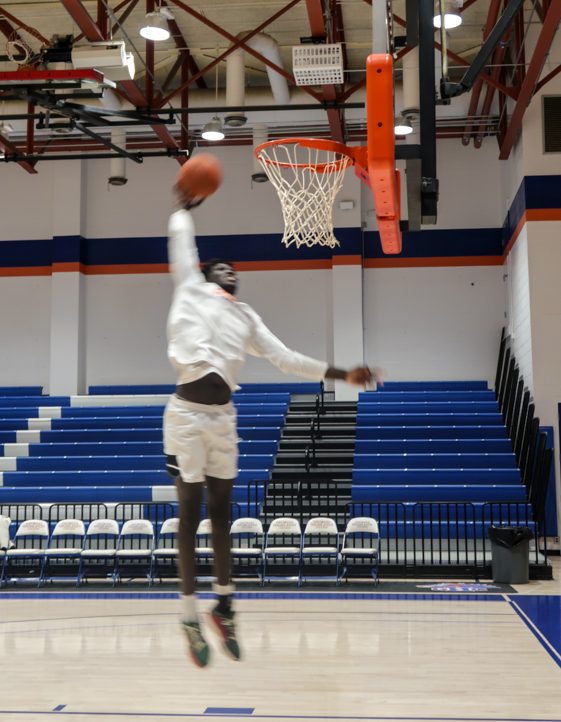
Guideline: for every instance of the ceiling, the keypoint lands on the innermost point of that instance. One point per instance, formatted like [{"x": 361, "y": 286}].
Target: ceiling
[{"x": 202, "y": 32}]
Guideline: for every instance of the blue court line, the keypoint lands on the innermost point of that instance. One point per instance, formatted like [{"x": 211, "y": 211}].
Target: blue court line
[
  {"x": 541, "y": 615},
  {"x": 229, "y": 710},
  {"x": 191, "y": 715},
  {"x": 348, "y": 596}
]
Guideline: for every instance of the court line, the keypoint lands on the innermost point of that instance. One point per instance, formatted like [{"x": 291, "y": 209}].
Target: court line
[
  {"x": 538, "y": 634},
  {"x": 202, "y": 716},
  {"x": 358, "y": 596}
]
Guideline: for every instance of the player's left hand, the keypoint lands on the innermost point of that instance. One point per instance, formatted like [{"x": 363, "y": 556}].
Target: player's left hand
[{"x": 364, "y": 376}]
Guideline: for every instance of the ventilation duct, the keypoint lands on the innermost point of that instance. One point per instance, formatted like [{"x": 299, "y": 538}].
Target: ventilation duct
[
  {"x": 411, "y": 90},
  {"x": 260, "y": 135},
  {"x": 117, "y": 167},
  {"x": 235, "y": 76}
]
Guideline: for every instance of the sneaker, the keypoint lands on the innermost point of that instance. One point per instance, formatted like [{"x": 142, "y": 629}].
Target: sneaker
[
  {"x": 224, "y": 625},
  {"x": 198, "y": 646}
]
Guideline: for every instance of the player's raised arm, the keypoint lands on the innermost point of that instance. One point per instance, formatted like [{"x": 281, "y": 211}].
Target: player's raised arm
[
  {"x": 182, "y": 250},
  {"x": 198, "y": 178}
]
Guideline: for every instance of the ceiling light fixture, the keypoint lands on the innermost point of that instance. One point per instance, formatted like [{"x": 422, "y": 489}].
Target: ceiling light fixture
[
  {"x": 403, "y": 126},
  {"x": 155, "y": 25},
  {"x": 451, "y": 21},
  {"x": 213, "y": 130}
]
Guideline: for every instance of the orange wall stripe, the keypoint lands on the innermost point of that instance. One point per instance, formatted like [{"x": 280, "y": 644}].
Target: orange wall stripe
[
  {"x": 69, "y": 267},
  {"x": 347, "y": 260},
  {"x": 433, "y": 262},
  {"x": 25, "y": 271},
  {"x": 125, "y": 268}
]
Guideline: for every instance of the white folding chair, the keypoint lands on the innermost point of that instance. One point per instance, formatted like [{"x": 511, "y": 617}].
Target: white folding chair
[
  {"x": 98, "y": 555},
  {"x": 5, "y": 543},
  {"x": 360, "y": 548},
  {"x": 27, "y": 556},
  {"x": 204, "y": 552},
  {"x": 320, "y": 549},
  {"x": 62, "y": 555},
  {"x": 246, "y": 540},
  {"x": 283, "y": 547},
  {"x": 133, "y": 558},
  {"x": 166, "y": 552}
]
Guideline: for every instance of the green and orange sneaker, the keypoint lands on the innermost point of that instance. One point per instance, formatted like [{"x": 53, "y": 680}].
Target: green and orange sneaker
[
  {"x": 224, "y": 625},
  {"x": 198, "y": 647}
]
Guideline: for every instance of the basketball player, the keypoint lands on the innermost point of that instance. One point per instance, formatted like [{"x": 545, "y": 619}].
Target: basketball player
[{"x": 209, "y": 334}]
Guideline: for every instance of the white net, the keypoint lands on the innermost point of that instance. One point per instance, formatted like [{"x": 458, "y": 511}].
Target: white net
[{"x": 307, "y": 180}]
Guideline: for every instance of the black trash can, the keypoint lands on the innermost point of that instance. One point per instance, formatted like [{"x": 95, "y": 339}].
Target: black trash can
[{"x": 510, "y": 548}]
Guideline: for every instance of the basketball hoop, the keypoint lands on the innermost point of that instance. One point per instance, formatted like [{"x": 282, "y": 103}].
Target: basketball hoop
[{"x": 307, "y": 174}]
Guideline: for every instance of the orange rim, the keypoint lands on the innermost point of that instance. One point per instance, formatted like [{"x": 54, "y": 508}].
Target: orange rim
[{"x": 331, "y": 146}]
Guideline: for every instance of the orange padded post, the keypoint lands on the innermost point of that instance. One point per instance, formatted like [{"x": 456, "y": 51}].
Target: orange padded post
[{"x": 383, "y": 178}]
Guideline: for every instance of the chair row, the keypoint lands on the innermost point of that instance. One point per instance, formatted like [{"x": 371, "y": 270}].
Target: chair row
[{"x": 137, "y": 551}]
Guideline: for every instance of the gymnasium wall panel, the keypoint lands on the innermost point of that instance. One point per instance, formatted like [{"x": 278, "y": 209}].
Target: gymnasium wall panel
[
  {"x": 25, "y": 315},
  {"x": 519, "y": 313},
  {"x": 434, "y": 323}
]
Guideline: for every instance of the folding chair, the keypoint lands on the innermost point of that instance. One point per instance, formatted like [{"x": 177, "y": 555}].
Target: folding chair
[
  {"x": 5, "y": 543},
  {"x": 204, "y": 553},
  {"x": 98, "y": 556},
  {"x": 27, "y": 556},
  {"x": 283, "y": 548},
  {"x": 246, "y": 540},
  {"x": 166, "y": 552},
  {"x": 360, "y": 547},
  {"x": 320, "y": 548},
  {"x": 62, "y": 555},
  {"x": 133, "y": 558}
]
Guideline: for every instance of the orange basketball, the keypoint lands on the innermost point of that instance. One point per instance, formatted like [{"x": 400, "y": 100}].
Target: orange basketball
[{"x": 200, "y": 176}]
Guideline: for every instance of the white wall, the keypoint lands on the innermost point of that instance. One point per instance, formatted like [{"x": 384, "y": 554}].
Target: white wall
[
  {"x": 434, "y": 323},
  {"x": 408, "y": 315},
  {"x": 519, "y": 315},
  {"x": 25, "y": 316},
  {"x": 26, "y": 202},
  {"x": 126, "y": 327}
]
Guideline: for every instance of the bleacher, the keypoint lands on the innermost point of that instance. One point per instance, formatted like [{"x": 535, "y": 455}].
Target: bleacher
[
  {"x": 433, "y": 466},
  {"x": 435, "y": 455},
  {"x": 108, "y": 447}
]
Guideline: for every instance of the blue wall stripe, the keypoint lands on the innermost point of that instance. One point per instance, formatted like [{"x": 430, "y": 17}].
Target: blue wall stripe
[{"x": 534, "y": 192}]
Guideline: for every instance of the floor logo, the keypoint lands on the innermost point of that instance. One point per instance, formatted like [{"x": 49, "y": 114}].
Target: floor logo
[{"x": 458, "y": 587}]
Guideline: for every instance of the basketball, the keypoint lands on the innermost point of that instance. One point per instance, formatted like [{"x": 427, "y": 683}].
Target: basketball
[{"x": 200, "y": 176}]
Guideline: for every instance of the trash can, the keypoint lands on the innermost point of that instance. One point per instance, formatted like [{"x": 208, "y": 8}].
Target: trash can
[{"x": 510, "y": 549}]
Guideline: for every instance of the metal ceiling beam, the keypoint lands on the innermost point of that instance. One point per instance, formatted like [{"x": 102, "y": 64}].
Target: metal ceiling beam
[
  {"x": 335, "y": 116},
  {"x": 533, "y": 72},
  {"x": 131, "y": 4},
  {"x": 149, "y": 62},
  {"x": 102, "y": 17},
  {"x": 83, "y": 20},
  {"x": 492, "y": 16},
  {"x": 498, "y": 59},
  {"x": 548, "y": 77},
  {"x": 510, "y": 92},
  {"x": 467, "y": 4},
  {"x": 10, "y": 32},
  {"x": 237, "y": 43},
  {"x": 8, "y": 17},
  {"x": 81, "y": 17},
  {"x": 10, "y": 151},
  {"x": 183, "y": 48},
  {"x": 316, "y": 18}
]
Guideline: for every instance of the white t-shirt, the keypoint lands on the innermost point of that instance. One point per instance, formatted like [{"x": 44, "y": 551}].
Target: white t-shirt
[{"x": 210, "y": 331}]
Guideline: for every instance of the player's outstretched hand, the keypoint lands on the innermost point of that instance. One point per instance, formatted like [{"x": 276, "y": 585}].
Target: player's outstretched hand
[{"x": 364, "y": 376}]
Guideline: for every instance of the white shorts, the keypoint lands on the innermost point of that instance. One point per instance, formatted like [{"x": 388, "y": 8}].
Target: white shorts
[{"x": 203, "y": 438}]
